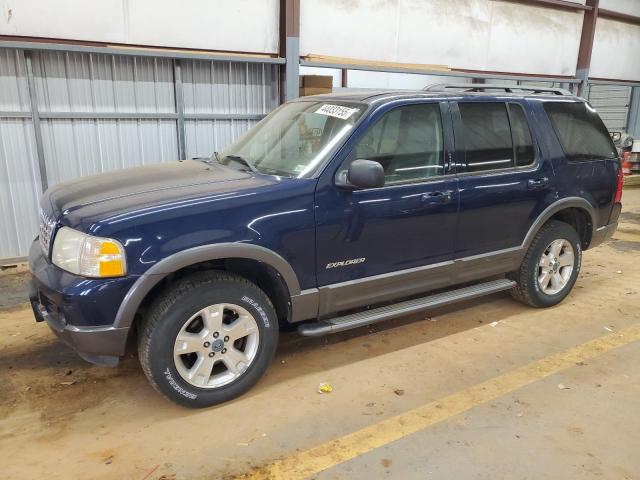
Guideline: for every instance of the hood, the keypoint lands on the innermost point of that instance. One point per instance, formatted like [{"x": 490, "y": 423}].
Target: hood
[{"x": 137, "y": 187}]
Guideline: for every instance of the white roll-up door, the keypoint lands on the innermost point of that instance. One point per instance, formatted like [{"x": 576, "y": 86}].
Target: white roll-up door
[{"x": 612, "y": 103}]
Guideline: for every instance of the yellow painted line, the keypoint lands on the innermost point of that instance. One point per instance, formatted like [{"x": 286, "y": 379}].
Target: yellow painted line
[{"x": 304, "y": 464}]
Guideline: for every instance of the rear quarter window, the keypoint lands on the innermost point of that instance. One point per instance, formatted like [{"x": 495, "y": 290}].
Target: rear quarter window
[{"x": 580, "y": 131}]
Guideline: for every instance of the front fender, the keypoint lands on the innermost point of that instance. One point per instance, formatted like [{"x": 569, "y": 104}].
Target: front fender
[{"x": 145, "y": 283}]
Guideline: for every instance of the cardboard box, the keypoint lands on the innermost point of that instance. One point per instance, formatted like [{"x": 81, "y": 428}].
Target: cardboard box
[
  {"x": 316, "y": 81},
  {"x": 306, "y": 91}
]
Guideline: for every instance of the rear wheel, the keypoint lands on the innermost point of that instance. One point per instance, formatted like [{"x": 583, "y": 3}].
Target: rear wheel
[
  {"x": 550, "y": 267},
  {"x": 208, "y": 339}
]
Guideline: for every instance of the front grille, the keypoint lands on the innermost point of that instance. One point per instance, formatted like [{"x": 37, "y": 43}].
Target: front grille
[{"x": 47, "y": 225}]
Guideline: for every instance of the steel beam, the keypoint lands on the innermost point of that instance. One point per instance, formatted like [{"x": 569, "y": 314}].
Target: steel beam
[
  {"x": 558, "y": 4},
  {"x": 136, "y": 116},
  {"x": 179, "y": 99},
  {"x": 618, "y": 16},
  {"x": 108, "y": 116},
  {"x": 5, "y": 114},
  {"x": 35, "y": 118}
]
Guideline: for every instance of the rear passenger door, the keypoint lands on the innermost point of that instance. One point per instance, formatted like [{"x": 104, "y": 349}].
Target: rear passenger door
[{"x": 501, "y": 176}]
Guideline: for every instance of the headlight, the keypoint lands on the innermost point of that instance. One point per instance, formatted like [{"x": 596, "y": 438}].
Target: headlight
[{"x": 88, "y": 256}]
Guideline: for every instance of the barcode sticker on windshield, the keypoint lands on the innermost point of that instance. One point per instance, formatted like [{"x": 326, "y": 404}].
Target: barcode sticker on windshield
[{"x": 336, "y": 111}]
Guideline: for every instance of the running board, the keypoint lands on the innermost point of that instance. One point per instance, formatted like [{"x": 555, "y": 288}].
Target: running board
[{"x": 367, "y": 317}]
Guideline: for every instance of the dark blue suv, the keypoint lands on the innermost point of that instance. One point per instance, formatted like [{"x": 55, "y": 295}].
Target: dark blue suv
[{"x": 334, "y": 211}]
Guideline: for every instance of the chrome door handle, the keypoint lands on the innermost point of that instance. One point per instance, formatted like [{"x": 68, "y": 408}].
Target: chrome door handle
[
  {"x": 537, "y": 183},
  {"x": 443, "y": 196}
]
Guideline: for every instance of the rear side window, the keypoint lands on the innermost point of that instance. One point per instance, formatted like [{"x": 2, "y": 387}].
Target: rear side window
[
  {"x": 580, "y": 130},
  {"x": 487, "y": 136},
  {"x": 496, "y": 136},
  {"x": 522, "y": 143}
]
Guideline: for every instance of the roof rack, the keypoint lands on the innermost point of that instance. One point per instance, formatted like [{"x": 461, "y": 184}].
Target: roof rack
[{"x": 479, "y": 87}]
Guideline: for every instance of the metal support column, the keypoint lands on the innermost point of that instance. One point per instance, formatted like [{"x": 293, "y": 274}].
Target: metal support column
[
  {"x": 179, "y": 97},
  {"x": 344, "y": 80},
  {"x": 292, "y": 66},
  {"x": 586, "y": 46},
  {"x": 290, "y": 46},
  {"x": 35, "y": 118}
]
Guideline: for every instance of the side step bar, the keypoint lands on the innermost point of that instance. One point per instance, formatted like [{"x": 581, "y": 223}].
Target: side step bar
[{"x": 355, "y": 320}]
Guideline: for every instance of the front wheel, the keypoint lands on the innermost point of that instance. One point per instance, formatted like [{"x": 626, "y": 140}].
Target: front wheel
[
  {"x": 550, "y": 267},
  {"x": 208, "y": 339}
]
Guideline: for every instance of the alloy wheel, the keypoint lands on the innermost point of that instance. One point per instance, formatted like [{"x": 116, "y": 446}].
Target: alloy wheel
[
  {"x": 216, "y": 345},
  {"x": 555, "y": 266}
]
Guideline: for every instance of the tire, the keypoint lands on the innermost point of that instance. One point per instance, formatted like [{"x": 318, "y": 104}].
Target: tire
[
  {"x": 530, "y": 278},
  {"x": 234, "y": 365}
]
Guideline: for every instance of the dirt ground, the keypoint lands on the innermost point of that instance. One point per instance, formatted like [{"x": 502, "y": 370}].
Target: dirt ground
[
  {"x": 13, "y": 286},
  {"x": 62, "y": 418}
]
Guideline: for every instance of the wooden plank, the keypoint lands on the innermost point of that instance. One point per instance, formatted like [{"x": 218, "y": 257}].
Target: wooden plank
[{"x": 374, "y": 63}]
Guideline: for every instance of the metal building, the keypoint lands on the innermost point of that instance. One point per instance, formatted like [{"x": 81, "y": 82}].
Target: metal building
[{"x": 64, "y": 114}]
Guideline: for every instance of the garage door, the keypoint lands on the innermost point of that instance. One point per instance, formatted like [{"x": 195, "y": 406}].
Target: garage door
[{"x": 612, "y": 103}]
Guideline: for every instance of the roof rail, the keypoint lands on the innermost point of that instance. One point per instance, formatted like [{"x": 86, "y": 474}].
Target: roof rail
[{"x": 478, "y": 87}]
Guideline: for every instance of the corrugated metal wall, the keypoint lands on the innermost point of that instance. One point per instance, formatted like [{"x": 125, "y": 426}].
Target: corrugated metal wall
[
  {"x": 103, "y": 112},
  {"x": 19, "y": 175},
  {"x": 224, "y": 90},
  {"x": 70, "y": 83},
  {"x": 612, "y": 103}
]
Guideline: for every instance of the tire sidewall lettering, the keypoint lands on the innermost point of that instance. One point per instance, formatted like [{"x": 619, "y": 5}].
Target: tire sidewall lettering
[
  {"x": 256, "y": 306},
  {"x": 169, "y": 376}
]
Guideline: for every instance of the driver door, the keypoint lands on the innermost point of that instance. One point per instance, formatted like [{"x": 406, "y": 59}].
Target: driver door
[{"x": 381, "y": 244}]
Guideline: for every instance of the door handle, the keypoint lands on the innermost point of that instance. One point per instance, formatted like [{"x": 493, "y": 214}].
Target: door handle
[
  {"x": 537, "y": 183},
  {"x": 443, "y": 196}
]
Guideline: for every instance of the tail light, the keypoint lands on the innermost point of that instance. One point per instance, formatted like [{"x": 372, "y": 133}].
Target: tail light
[{"x": 618, "y": 196}]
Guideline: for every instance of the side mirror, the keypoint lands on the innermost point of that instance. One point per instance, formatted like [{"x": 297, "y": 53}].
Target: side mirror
[{"x": 365, "y": 174}]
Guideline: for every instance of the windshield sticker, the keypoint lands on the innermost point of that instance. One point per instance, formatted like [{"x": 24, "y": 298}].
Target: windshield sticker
[{"x": 336, "y": 111}]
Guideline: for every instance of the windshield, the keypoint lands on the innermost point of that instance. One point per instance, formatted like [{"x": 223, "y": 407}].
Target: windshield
[{"x": 294, "y": 139}]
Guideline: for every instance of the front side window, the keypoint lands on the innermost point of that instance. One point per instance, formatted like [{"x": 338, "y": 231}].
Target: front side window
[
  {"x": 406, "y": 141},
  {"x": 295, "y": 139},
  {"x": 580, "y": 130}
]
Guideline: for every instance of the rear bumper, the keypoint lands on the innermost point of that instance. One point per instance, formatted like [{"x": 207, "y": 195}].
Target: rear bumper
[
  {"x": 79, "y": 311},
  {"x": 604, "y": 233}
]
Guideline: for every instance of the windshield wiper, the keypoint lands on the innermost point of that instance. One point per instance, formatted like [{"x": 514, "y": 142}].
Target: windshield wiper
[{"x": 242, "y": 160}]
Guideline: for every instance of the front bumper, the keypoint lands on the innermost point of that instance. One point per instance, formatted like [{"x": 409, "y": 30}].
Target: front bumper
[{"x": 79, "y": 311}]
